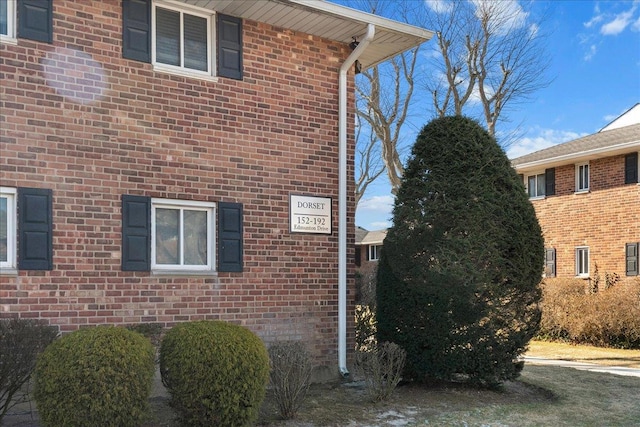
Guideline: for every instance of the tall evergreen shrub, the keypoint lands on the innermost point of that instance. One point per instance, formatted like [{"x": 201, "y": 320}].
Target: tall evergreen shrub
[{"x": 458, "y": 278}]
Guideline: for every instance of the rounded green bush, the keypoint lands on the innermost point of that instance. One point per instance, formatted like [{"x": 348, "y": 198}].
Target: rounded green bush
[
  {"x": 99, "y": 376},
  {"x": 216, "y": 373}
]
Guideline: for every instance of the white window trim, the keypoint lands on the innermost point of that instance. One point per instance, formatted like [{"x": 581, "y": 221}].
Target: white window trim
[
  {"x": 10, "y": 266},
  {"x": 210, "y": 208},
  {"x": 372, "y": 248},
  {"x": 10, "y": 37},
  {"x": 578, "y": 250},
  {"x": 588, "y": 187},
  {"x": 526, "y": 183},
  {"x": 178, "y": 70}
]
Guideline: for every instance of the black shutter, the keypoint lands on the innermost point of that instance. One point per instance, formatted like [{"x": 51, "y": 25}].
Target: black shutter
[
  {"x": 631, "y": 168},
  {"x": 136, "y": 233},
  {"x": 35, "y": 227},
  {"x": 550, "y": 262},
  {"x": 550, "y": 182},
  {"x": 35, "y": 20},
  {"x": 230, "y": 237},
  {"x": 229, "y": 50},
  {"x": 631, "y": 253},
  {"x": 136, "y": 30}
]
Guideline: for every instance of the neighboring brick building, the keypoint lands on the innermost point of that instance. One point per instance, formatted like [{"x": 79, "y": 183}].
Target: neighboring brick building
[
  {"x": 154, "y": 155},
  {"x": 586, "y": 194}
]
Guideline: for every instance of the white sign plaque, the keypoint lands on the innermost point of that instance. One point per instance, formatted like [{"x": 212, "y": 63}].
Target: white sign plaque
[{"x": 308, "y": 214}]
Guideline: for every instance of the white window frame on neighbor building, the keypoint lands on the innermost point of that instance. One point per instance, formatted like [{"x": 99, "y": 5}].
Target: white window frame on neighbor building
[
  {"x": 536, "y": 192},
  {"x": 8, "y": 196},
  {"x": 582, "y": 261},
  {"x": 181, "y": 206},
  {"x": 10, "y": 18},
  {"x": 582, "y": 177},
  {"x": 192, "y": 11},
  {"x": 374, "y": 252}
]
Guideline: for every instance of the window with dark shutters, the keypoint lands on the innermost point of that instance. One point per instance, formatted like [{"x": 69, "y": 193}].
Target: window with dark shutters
[
  {"x": 35, "y": 229},
  {"x": 631, "y": 252},
  {"x": 230, "y": 237},
  {"x": 631, "y": 168},
  {"x": 229, "y": 47},
  {"x": 136, "y": 233},
  {"x": 136, "y": 30},
  {"x": 35, "y": 20}
]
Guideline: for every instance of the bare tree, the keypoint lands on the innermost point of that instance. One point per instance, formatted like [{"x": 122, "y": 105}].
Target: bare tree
[
  {"x": 492, "y": 57},
  {"x": 489, "y": 57}
]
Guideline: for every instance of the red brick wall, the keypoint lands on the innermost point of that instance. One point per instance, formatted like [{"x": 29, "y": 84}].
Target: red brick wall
[
  {"x": 107, "y": 126},
  {"x": 604, "y": 219}
]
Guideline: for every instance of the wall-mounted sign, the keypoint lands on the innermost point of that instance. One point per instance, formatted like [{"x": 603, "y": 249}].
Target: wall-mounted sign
[{"x": 308, "y": 214}]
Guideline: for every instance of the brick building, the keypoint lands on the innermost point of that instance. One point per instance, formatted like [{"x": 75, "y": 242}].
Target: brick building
[
  {"x": 586, "y": 194},
  {"x": 155, "y": 155}
]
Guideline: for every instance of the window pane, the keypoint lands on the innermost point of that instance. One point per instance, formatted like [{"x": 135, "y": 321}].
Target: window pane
[
  {"x": 167, "y": 36},
  {"x": 540, "y": 187},
  {"x": 4, "y": 230},
  {"x": 195, "y": 238},
  {"x": 532, "y": 186},
  {"x": 195, "y": 43},
  {"x": 167, "y": 236},
  {"x": 4, "y": 18}
]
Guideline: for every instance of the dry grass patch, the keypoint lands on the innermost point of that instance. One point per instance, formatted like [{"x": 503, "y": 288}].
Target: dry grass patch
[{"x": 585, "y": 353}]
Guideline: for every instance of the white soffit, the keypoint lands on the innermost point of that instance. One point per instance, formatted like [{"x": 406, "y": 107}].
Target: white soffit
[{"x": 327, "y": 20}]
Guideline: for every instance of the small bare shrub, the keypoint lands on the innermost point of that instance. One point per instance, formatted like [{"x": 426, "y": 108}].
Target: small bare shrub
[
  {"x": 21, "y": 340},
  {"x": 381, "y": 366},
  {"x": 291, "y": 369}
]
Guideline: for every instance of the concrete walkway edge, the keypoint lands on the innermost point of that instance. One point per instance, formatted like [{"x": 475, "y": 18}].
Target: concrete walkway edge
[{"x": 592, "y": 367}]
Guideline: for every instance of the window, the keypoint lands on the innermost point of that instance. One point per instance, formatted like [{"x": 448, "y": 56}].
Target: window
[
  {"x": 7, "y": 19},
  {"x": 536, "y": 185},
  {"x": 8, "y": 228},
  {"x": 182, "y": 235},
  {"x": 374, "y": 252},
  {"x": 582, "y": 261},
  {"x": 182, "y": 39},
  {"x": 582, "y": 177}
]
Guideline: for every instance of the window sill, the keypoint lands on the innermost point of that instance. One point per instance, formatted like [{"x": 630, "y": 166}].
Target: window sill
[
  {"x": 582, "y": 192},
  {"x": 202, "y": 273},
  {"x": 8, "y": 271},
  {"x": 538, "y": 198},
  {"x": 160, "y": 68},
  {"x": 8, "y": 40}
]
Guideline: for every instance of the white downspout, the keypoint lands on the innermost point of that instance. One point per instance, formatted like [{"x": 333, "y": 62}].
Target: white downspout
[{"x": 342, "y": 200}]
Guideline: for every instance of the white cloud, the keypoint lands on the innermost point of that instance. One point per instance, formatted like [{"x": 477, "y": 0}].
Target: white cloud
[
  {"x": 539, "y": 139},
  {"x": 506, "y": 14},
  {"x": 618, "y": 24},
  {"x": 439, "y": 6},
  {"x": 636, "y": 25},
  {"x": 379, "y": 225},
  {"x": 376, "y": 204},
  {"x": 590, "y": 53}
]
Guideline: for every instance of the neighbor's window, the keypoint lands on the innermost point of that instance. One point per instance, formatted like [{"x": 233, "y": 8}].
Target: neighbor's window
[
  {"x": 582, "y": 177},
  {"x": 582, "y": 261},
  {"x": 7, "y": 18},
  {"x": 182, "y": 235},
  {"x": 374, "y": 252},
  {"x": 536, "y": 185},
  {"x": 8, "y": 227},
  {"x": 182, "y": 38}
]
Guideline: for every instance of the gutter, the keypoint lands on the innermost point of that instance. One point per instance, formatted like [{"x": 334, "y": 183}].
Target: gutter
[{"x": 342, "y": 200}]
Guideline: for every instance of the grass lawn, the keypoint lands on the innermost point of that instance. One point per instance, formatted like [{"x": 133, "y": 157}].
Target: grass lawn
[{"x": 542, "y": 396}]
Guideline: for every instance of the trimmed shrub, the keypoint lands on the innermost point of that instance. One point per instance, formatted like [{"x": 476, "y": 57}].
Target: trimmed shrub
[
  {"x": 459, "y": 272},
  {"x": 21, "y": 340},
  {"x": 99, "y": 376},
  {"x": 572, "y": 312},
  {"x": 216, "y": 373},
  {"x": 381, "y": 366},
  {"x": 291, "y": 370}
]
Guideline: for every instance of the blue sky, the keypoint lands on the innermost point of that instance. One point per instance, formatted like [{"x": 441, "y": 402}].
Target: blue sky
[{"x": 594, "y": 49}]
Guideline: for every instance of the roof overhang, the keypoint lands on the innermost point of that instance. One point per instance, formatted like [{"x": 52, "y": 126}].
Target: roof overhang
[{"x": 327, "y": 20}]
